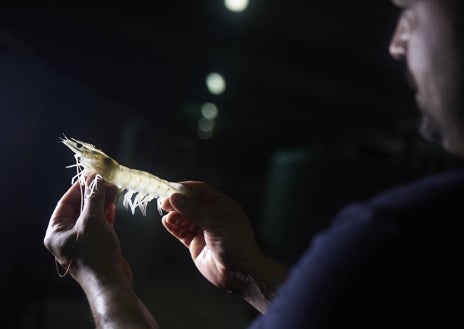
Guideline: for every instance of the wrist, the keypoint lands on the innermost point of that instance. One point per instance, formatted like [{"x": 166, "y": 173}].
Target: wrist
[
  {"x": 102, "y": 275},
  {"x": 260, "y": 280},
  {"x": 102, "y": 283},
  {"x": 113, "y": 301}
]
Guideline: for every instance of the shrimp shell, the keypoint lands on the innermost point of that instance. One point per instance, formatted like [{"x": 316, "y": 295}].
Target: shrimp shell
[{"x": 141, "y": 187}]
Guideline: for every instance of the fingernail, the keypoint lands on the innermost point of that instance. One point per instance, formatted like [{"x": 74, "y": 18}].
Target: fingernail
[
  {"x": 179, "y": 199},
  {"x": 173, "y": 221}
]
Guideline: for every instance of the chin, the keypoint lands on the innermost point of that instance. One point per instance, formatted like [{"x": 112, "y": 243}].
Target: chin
[
  {"x": 454, "y": 144},
  {"x": 431, "y": 133},
  {"x": 454, "y": 148},
  {"x": 430, "y": 130}
]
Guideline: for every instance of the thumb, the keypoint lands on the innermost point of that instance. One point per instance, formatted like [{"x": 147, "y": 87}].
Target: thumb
[
  {"x": 94, "y": 198},
  {"x": 192, "y": 210},
  {"x": 182, "y": 204}
]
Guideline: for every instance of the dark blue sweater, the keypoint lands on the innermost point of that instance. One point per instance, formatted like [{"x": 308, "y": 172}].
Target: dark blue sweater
[{"x": 391, "y": 262}]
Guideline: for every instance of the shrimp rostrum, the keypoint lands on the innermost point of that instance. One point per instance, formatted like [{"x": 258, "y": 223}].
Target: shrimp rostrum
[{"x": 141, "y": 187}]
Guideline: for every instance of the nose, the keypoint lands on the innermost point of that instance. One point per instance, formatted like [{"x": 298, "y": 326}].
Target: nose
[{"x": 399, "y": 42}]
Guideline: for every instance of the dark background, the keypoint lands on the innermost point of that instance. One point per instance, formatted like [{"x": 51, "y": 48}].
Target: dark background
[{"x": 315, "y": 115}]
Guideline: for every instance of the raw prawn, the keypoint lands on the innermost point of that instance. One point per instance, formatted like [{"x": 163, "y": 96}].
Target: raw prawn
[{"x": 141, "y": 187}]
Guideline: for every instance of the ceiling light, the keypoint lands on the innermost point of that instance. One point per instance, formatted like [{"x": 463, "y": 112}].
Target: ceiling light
[{"x": 236, "y": 5}]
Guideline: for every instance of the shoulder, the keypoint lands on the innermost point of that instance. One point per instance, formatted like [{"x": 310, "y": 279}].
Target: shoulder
[
  {"x": 406, "y": 204},
  {"x": 416, "y": 222},
  {"x": 445, "y": 187},
  {"x": 377, "y": 256}
]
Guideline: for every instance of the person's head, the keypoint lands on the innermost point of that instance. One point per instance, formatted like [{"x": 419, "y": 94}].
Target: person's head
[{"x": 430, "y": 37}]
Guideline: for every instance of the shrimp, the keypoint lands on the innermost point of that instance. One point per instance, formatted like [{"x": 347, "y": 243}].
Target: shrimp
[{"x": 141, "y": 187}]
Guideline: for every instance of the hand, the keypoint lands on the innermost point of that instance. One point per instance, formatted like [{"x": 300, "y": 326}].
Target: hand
[
  {"x": 85, "y": 242},
  {"x": 222, "y": 244}
]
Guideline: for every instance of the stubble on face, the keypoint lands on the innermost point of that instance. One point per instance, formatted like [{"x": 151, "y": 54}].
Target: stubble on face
[{"x": 433, "y": 64}]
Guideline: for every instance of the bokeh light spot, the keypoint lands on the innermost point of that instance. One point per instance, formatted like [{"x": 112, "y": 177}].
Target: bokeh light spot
[
  {"x": 215, "y": 83},
  {"x": 209, "y": 111},
  {"x": 236, "y": 5}
]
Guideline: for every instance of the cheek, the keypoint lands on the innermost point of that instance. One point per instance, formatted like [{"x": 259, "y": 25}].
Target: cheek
[
  {"x": 421, "y": 51},
  {"x": 425, "y": 47},
  {"x": 425, "y": 69}
]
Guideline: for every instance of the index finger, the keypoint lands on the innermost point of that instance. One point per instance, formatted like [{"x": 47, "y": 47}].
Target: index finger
[{"x": 67, "y": 209}]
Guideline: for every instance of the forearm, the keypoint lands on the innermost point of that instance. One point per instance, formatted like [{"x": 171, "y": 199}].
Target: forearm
[
  {"x": 260, "y": 283},
  {"x": 115, "y": 305}
]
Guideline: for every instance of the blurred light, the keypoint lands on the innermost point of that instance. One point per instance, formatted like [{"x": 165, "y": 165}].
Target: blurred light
[
  {"x": 236, "y": 5},
  {"x": 209, "y": 111},
  {"x": 205, "y": 128},
  {"x": 205, "y": 136},
  {"x": 205, "y": 125},
  {"x": 216, "y": 83}
]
